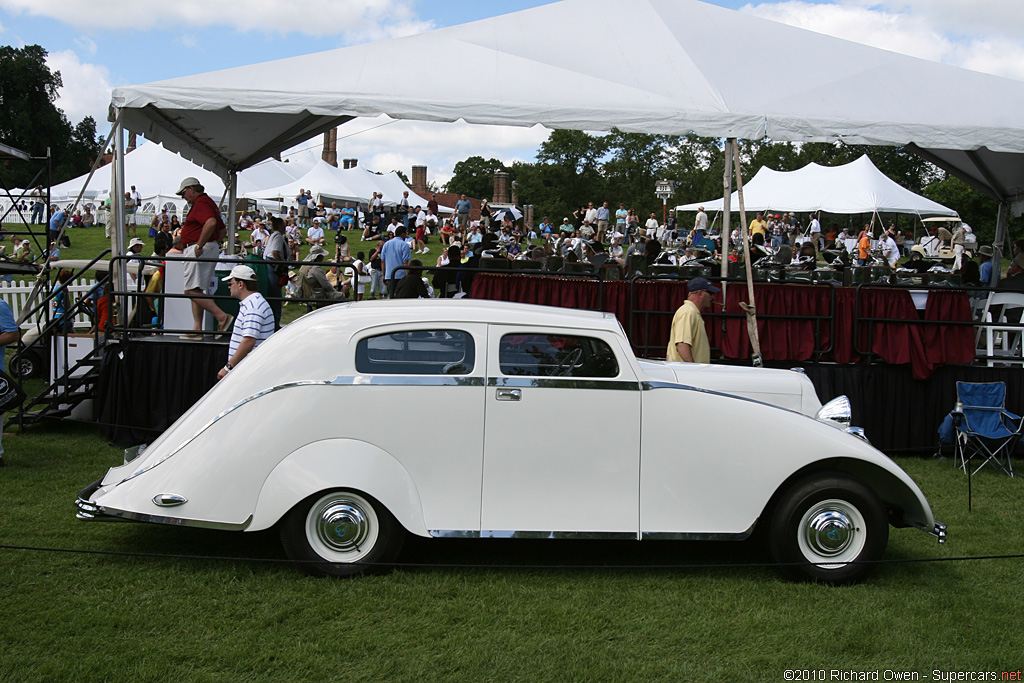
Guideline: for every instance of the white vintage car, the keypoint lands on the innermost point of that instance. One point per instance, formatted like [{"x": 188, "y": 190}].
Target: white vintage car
[{"x": 363, "y": 422}]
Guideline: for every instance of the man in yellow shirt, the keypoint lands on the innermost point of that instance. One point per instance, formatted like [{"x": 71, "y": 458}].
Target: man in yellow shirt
[
  {"x": 758, "y": 225},
  {"x": 688, "y": 340}
]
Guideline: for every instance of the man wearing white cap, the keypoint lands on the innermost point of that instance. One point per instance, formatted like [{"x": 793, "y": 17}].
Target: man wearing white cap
[
  {"x": 201, "y": 234},
  {"x": 254, "y": 322},
  {"x": 134, "y": 247}
]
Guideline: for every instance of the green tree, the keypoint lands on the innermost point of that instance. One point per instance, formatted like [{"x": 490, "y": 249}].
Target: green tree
[
  {"x": 636, "y": 162},
  {"x": 574, "y": 158},
  {"x": 474, "y": 177},
  {"x": 30, "y": 121}
]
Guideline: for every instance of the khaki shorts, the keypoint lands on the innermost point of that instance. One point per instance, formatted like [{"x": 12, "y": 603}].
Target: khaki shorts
[{"x": 198, "y": 275}]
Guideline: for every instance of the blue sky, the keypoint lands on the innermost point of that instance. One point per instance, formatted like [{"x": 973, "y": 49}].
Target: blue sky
[{"x": 100, "y": 44}]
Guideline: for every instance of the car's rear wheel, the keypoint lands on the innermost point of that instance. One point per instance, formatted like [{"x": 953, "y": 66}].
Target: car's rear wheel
[
  {"x": 341, "y": 533},
  {"x": 828, "y": 527}
]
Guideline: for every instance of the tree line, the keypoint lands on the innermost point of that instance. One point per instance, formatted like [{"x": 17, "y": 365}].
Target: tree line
[
  {"x": 575, "y": 167},
  {"x": 31, "y": 121}
]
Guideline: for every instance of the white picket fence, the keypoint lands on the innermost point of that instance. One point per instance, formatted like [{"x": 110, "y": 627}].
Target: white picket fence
[{"x": 16, "y": 294}]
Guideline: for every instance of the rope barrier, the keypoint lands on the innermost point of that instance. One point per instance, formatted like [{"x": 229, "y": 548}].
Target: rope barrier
[{"x": 446, "y": 565}]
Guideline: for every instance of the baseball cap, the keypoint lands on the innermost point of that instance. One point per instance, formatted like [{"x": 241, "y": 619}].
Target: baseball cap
[
  {"x": 241, "y": 273},
  {"x": 698, "y": 284},
  {"x": 187, "y": 183}
]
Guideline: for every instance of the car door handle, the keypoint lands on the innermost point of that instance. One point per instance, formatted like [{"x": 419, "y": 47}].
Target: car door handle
[{"x": 510, "y": 394}]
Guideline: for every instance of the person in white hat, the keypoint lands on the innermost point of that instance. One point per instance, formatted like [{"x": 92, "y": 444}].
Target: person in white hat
[
  {"x": 255, "y": 321},
  {"x": 135, "y": 246},
  {"x": 201, "y": 235}
]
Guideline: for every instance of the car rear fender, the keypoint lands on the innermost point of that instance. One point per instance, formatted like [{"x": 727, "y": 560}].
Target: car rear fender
[
  {"x": 339, "y": 464},
  {"x": 904, "y": 501}
]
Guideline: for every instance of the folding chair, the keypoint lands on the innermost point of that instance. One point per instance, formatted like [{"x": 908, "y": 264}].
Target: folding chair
[
  {"x": 1003, "y": 314},
  {"x": 981, "y": 428}
]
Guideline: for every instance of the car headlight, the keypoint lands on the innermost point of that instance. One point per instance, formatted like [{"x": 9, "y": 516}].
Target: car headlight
[{"x": 837, "y": 410}]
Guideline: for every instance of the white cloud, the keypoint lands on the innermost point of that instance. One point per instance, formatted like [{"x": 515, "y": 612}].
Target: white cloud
[
  {"x": 357, "y": 20},
  {"x": 938, "y": 30},
  {"x": 86, "y": 89},
  {"x": 86, "y": 45},
  {"x": 959, "y": 17},
  {"x": 385, "y": 145}
]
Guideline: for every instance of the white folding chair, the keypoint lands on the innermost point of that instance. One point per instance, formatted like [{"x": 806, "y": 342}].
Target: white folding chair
[{"x": 1003, "y": 332}]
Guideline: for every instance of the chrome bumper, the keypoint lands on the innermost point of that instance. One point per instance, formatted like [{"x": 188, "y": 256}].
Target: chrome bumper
[
  {"x": 88, "y": 510},
  {"x": 939, "y": 532}
]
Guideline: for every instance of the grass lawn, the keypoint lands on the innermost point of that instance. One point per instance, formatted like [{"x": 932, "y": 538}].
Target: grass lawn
[{"x": 118, "y": 618}]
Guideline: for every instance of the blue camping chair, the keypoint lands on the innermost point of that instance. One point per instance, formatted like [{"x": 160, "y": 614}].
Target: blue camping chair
[{"x": 981, "y": 428}]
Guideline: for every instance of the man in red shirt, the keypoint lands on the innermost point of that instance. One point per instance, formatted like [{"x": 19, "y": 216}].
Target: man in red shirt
[{"x": 200, "y": 238}]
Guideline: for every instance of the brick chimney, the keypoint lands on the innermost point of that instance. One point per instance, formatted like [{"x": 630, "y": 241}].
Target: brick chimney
[
  {"x": 330, "y": 153},
  {"x": 419, "y": 180},
  {"x": 501, "y": 188},
  {"x": 349, "y": 163}
]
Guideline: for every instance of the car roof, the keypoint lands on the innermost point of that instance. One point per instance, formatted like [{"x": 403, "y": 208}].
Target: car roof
[{"x": 362, "y": 314}]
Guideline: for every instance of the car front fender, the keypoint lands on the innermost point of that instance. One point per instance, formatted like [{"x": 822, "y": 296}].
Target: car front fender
[{"x": 339, "y": 464}]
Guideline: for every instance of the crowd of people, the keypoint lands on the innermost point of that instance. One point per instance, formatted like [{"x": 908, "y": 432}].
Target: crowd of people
[{"x": 593, "y": 237}]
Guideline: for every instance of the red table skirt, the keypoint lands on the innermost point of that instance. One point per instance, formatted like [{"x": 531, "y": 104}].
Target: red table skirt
[{"x": 840, "y": 331}]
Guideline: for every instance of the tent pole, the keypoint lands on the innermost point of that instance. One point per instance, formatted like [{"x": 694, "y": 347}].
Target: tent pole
[
  {"x": 1002, "y": 227},
  {"x": 726, "y": 215},
  {"x": 749, "y": 308},
  {"x": 232, "y": 216},
  {"x": 117, "y": 230}
]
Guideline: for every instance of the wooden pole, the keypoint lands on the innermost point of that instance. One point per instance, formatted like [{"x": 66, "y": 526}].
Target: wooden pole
[{"x": 749, "y": 308}]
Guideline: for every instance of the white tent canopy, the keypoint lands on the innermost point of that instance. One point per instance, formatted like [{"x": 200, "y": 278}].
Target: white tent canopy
[
  {"x": 693, "y": 78},
  {"x": 329, "y": 183},
  {"x": 157, "y": 174},
  {"x": 856, "y": 187}
]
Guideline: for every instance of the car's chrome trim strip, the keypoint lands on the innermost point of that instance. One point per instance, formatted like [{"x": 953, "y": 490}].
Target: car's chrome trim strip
[
  {"x": 507, "y": 533},
  {"x": 648, "y": 385},
  {"x": 411, "y": 380},
  {"x": 92, "y": 512},
  {"x": 562, "y": 383},
  {"x": 679, "y": 536}
]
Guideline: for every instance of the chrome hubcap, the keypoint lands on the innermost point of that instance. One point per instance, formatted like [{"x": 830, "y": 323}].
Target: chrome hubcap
[
  {"x": 829, "y": 531},
  {"x": 343, "y": 526},
  {"x": 832, "y": 533}
]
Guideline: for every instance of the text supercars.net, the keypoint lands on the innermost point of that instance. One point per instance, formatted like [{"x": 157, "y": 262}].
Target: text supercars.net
[{"x": 898, "y": 675}]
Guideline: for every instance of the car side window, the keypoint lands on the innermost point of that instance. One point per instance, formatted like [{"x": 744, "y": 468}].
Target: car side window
[
  {"x": 548, "y": 355},
  {"x": 417, "y": 352}
]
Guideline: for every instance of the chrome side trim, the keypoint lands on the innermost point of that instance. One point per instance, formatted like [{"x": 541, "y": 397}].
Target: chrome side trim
[
  {"x": 562, "y": 383},
  {"x": 648, "y": 386},
  {"x": 410, "y": 380},
  {"x": 97, "y": 513},
  {"x": 684, "y": 536},
  {"x": 501, "y": 533}
]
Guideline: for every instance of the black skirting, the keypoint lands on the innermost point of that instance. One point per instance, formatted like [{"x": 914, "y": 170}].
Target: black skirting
[{"x": 147, "y": 384}]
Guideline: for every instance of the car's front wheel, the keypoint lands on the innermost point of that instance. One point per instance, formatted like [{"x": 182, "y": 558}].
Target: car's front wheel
[
  {"x": 828, "y": 527},
  {"x": 341, "y": 533}
]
